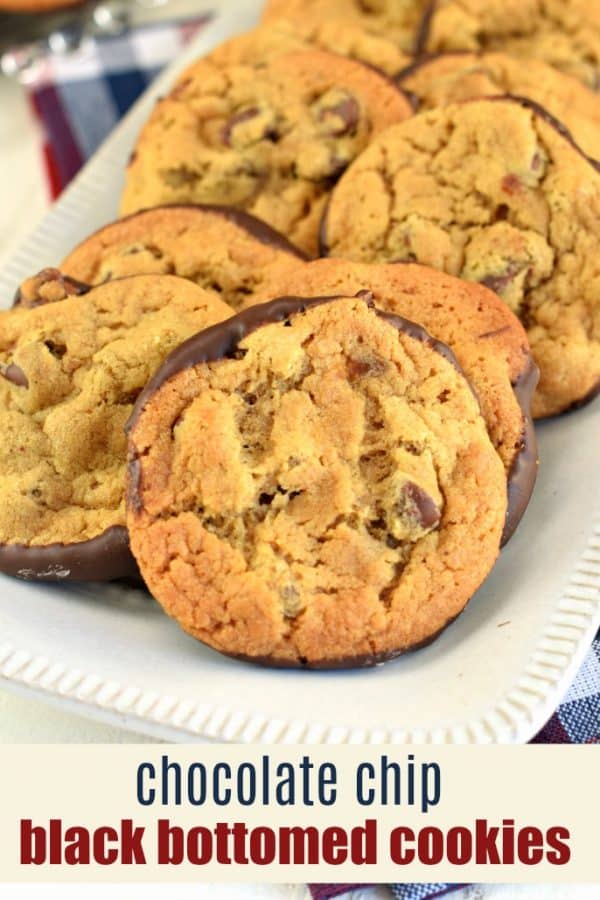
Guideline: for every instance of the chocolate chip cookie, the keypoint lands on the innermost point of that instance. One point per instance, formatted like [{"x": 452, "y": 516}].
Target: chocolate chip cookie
[
  {"x": 487, "y": 339},
  {"x": 219, "y": 248},
  {"x": 394, "y": 20},
  {"x": 563, "y": 33},
  {"x": 335, "y": 35},
  {"x": 453, "y": 77},
  {"x": 70, "y": 372},
  {"x": 312, "y": 483},
  {"x": 495, "y": 192},
  {"x": 271, "y": 138}
]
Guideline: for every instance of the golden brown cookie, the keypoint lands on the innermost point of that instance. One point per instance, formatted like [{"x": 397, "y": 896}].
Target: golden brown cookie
[
  {"x": 70, "y": 372},
  {"x": 395, "y": 20},
  {"x": 271, "y": 138},
  {"x": 563, "y": 33},
  {"x": 335, "y": 35},
  {"x": 312, "y": 483},
  {"x": 221, "y": 249},
  {"x": 453, "y": 77},
  {"x": 492, "y": 191},
  {"x": 36, "y": 6},
  {"x": 487, "y": 339}
]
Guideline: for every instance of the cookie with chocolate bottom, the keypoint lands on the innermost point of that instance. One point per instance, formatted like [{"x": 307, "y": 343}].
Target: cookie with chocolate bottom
[
  {"x": 488, "y": 341},
  {"x": 70, "y": 372},
  {"x": 493, "y": 191},
  {"x": 446, "y": 78},
  {"x": 219, "y": 248},
  {"x": 312, "y": 484},
  {"x": 270, "y": 137}
]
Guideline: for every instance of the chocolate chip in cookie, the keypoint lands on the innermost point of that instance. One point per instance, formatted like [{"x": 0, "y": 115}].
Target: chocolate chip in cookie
[
  {"x": 487, "y": 339},
  {"x": 48, "y": 286},
  {"x": 267, "y": 136}
]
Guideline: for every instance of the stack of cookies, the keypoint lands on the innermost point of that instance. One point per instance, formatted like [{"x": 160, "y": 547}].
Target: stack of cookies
[{"x": 291, "y": 389}]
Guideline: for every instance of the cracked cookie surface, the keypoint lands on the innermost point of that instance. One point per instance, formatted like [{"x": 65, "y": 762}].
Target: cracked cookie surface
[
  {"x": 453, "y": 77},
  {"x": 312, "y": 483},
  {"x": 492, "y": 192},
  {"x": 563, "y": 33},
  {"x": 270, "y": 137},
  {"x": 70, "y": 372},
  {"x": 395, "y": 20},
  {"x": 334, "y": 35},
  {"x": 219, "y": 248},
  {"x": 486, "y": 338}
]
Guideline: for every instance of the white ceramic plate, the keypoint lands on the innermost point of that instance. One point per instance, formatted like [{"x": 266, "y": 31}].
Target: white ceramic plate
[{"x": 495, "y": 675}]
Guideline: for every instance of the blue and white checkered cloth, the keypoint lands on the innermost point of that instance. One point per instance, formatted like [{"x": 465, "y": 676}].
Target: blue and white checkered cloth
[{"x": 79, "y": 97}]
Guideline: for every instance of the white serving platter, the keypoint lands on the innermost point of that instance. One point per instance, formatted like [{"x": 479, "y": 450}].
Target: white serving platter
[{"x": 496, "y": 675}]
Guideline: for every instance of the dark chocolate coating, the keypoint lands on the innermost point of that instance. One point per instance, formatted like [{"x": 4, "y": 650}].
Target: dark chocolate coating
[
  {"x": 102, "y": 558},
  {"x": 366, "y": 661},
  {"x": 423, "y": 28},
  {"x": 547, "y": 117},
  {"x": 254, "y": 226},
  {"x": 524, "y": 468}
]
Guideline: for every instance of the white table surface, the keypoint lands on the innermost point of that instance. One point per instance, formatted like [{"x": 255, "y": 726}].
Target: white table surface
[{"x": 27, "y": 719}]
